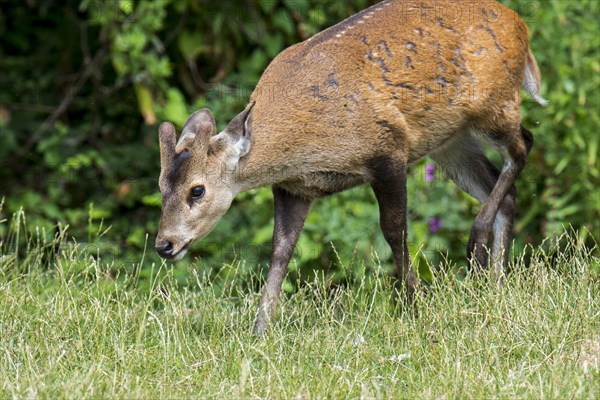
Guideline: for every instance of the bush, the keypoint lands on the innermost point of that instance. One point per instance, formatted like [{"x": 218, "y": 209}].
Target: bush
[{"x": 84, "y": 90}]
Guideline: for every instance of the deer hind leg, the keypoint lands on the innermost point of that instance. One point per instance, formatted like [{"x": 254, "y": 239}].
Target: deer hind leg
[
  {"x": 465, "y": 162},
  {"x": 502, "y": 226},
  {"x": 514, "y": 143}
]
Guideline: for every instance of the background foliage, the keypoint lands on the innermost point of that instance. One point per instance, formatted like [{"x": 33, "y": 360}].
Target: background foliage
[{"x": 84, "y": 84}]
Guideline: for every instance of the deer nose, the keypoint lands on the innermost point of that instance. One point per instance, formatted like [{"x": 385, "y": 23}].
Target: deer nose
[{"x": 164, "y": 248}]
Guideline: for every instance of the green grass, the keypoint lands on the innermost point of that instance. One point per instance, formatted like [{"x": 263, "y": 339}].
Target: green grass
[{"x": 73, "y": 330}]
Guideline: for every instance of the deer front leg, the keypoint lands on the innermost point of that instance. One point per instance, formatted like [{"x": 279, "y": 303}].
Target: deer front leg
[
  {"x": 389, "y": 186},
  {"x": 290, "y": 214}
]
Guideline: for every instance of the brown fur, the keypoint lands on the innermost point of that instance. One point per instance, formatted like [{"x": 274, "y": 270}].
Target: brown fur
[
  {"x": 331, "y": 104},
  {"x": 356, "y": 104}
]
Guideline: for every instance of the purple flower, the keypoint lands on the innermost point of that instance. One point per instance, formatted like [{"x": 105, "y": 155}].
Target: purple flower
[
  {"x": 429, "y": 172},
  {"x": 435, "y": 223}
]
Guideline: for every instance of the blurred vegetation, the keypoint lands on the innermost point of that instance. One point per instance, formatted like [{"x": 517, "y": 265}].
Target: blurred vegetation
[{"x": 85, "y": 83}]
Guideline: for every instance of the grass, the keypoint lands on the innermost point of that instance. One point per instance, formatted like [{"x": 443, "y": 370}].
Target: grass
[{"x": 72, "y": 330}]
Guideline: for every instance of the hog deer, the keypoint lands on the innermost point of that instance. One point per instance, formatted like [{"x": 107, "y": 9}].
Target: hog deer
[{"x": 356, "y": 104}]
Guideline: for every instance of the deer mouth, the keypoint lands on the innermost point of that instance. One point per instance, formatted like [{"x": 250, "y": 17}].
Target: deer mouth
[{"x": 176, "y": 256}]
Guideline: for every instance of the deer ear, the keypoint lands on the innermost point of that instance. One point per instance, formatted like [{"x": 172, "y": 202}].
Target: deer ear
[
  {"x": 166, "y": 140},
  {"x": 198, "y": 130},
  {"x": 239, "y": 131}
]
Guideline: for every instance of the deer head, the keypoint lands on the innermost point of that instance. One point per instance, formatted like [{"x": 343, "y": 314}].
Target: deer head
[{"x": 197, "y": 179}]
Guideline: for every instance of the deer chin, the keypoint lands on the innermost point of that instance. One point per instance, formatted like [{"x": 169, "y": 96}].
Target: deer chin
[{"x": 181, "y": 252}]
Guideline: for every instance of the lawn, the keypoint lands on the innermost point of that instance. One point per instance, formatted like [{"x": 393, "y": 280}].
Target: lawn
[{"x": 70, "y": 329}]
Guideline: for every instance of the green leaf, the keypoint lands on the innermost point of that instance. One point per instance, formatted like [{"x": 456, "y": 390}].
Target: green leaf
[
  {"x": 145, "y": 103},
  {"x": 175, "y": 109},
  {"x": 274, "y": 45},
  {"x": 153, "y": 200},
  {"x": 126, "y": 6},
  {"x": 190, "y": 45},
  {"x": 284, "y": 21}
]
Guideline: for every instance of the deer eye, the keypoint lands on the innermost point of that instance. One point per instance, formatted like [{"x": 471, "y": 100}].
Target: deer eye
[{"x": 198, "y": 192}]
